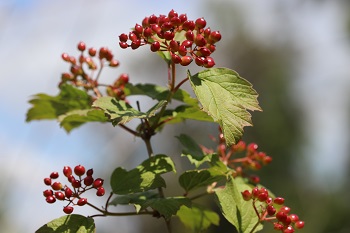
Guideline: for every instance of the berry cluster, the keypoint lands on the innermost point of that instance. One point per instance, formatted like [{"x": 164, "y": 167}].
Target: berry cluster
[
  {"x": 83, "y": 68},
  {"x": 79, "y": 185},
  {"x": 241, "y": 157},
  {"x": 185, "y": 40},
  {"x": 273, "y": 210}
]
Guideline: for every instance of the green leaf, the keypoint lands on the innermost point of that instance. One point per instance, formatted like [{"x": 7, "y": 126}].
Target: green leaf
[
  {"x": 76, "y": 118},
  {"x": 193, "y": 179},
  {"x": 235, "y": 209},
  {"x": 190, "y": 112},
  {"x": 227, "y": 97},
  {"x": 197, "y": 218},
  {"x": 120, "y": 112},
  {"x": 167, "y": 207},
  {"x": 51, "y": 107},
  {"x": 142, "y": 178},
  {"x": 159, "y": 93},
  {"x": 192, "y": 150},
  {"x": 69, "y": 224},
  {"x": 133, "y": 198}
]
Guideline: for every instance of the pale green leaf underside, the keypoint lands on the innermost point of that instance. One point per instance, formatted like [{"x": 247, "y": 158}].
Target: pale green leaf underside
[
  {"x": 197, "y": 218},
  {"x": 120, "y": 112},
  {"x": 227, "y": 98},
  {"x": 73, "y": 223},
  {"x": 235, "y": 209},
  {"x": 167, "y": 207}
]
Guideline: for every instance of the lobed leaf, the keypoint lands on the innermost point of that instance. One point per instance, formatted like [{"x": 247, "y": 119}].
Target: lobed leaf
[
  {"x": 46, "y": 107},
  {"x": 69, "y": 224},
  {"x": 197, "y": 218},
  {"x": 76, "y": 118},
  {"x": 192, "y": 150},
  {"x": 194, "y": 179},
  {"x": 142, "y": 178},
  {"x": 227, "y": 97},
  {"x": 120, "y": 112},
  {"x": 235, "y": 209}
]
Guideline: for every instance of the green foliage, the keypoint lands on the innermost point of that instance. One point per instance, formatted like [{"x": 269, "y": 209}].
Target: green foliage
[
  {"x": 237, "y": 211},
  {"x": 69, "y": 224},
  {"x": 120, "y": 112},
  {"x": 197, "y": 218},
  {"x": 226, "y": 97},
  {"x": 144, "y": 177}
]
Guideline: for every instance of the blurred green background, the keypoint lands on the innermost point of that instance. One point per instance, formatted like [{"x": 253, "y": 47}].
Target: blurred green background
[{"x": 296, "y": 54}]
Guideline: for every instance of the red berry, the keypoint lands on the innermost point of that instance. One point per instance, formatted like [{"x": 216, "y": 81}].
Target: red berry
[
  {"x": 188, "y": 25},
  {"x": 123, "y": 45},
  {"x": 90, "y": 172},
  {"x": 168, "y": 35},
  {"x": 200, "y": 23},
  {"x": 175, "y": 58},
  {"x": 47, "y": 181},
  {"x": 138, "y": 29},
  {"x": 124, "y": 78},
  {"x": 215, "y": 36},
  {"x": 174, "y": 46},
  {"x": 200, "y": 40},
  {"x": 76, "y": 184},
  {"x": 200, "y": 61},
  {"x": 299, "y": 224},
  {"x": 65, "y": 56},
  {"x": 81, "y": 46},
  {"x": 60, "y": 195},
  {"x": 186, "y": 60},
  {"x": 92, "y": 52},
  {"x": 285, "y": 209},
  {"x": 183, "y": 17},
  {"x": 254, "y": 179},
  {"x": 71, "y": 178},
  {"x": 246, "y": 195},
  {"x": 172, "y": 14},
  {"x": 155, "y": 46},
  {"x": 255, "y": 192},
  {"x": 294, "y": 217},
  {"x": 68, "y": 209},
  {"x": 288, "y": 229},
  {"x": 267, "y": 160},
  {"x": 279, "y": 200},
  {"x": 50, "y": 199},
  {"x": 278, "y": 226},
  {"x": 98, "y": 183},
  {"x": 79, "y": 170},
  {"x": 147, "y": 32},
  {"x": 82, "y": 201},
  {"x": 68, "y": 192},
  {"x": 209, "y": 62},
  {"x": 47, "y": 193},
  {"x": 56, "y": 186},
  {"x": 207, "y": 32},
  {"x": 270, "y": 210},
  {"x": 135, "y": 44},
  {"x": 189, "y": 35},
  {"x": 252, "y": 147},
  {"x": 204, "y": 51},
  {"x": 281, "y": 216},
  {"x": 152, "y": 19},
  {"x": 145, "y": 22},
  {"x": 100, "y": 191},
  {"x": 88, "y": 180},
  {"x": 263, "y": 196},
  {"x": 175, "y": 21},
  {"x": 54, "y": 175},
  {"x": 67, "y": 171},
  {"x": 187, "y": 43}
]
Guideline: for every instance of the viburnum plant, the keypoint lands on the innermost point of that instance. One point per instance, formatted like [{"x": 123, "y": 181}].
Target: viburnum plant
[{"x": 221, "y": 96}]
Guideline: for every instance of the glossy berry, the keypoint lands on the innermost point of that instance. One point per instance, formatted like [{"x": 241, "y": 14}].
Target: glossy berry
[
  {"x": 47, "y": 193},
  {"x": 82, "y": 201},
  {"x": 90, "y": 172},
  {"x": 98, "y": 183},
  {"x": 60, "y": 195},
  {"x": 155, "y": 46},
  {"x": 50, "y": 199},
  {"x": 124, "y": 78},
  {"x": 281, "y": 216},
  {"x": 246, "y": 195},
  {"x": 299, "y": 224},
  {"x": 47, "y": 181},
  {"x": 88, "y": 180},
  {"x": 76, "y": 184},
  {"x": 288, "y": 229},
  {"x": 92, "y": 52},
  {"x": 54, "y": 175},
  {"x": 186, "y": 60},
  {"x": 278, "y": 226},
  {"x": 67, "y": 171},
  {"x": 270, "y": 210},
  {"x": 279, "y": 200},
  {"x": 294, "y": 217},
  {"x": 68, "y": 192},
  {"x": 79, "y": 170},
  {"x": 285, "y": 209},
  {"x": 81, "y": 46},
  {"x": 100, "y": 191},
  {"x": 68, "y": 209},
  {"x": 200, "y": 23},
  {"x": 56, "y": 186}
]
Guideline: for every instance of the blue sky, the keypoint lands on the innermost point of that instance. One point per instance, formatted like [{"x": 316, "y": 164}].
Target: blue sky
[{"x": 33, "y": 34}]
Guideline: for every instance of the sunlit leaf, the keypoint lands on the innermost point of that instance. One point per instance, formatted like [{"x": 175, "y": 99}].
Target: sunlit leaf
[{"x": 227, "y": 97}]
